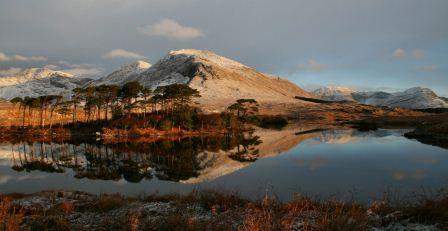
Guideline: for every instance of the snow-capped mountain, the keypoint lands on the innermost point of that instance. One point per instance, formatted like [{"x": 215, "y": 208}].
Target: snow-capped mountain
[
  {"x": 415, "y": 98},
  {"x": 334, "y": 93},
  {"x": 39, "y": 81},
  {"x": 219, "y": 80},
  {"x": 30, "y": 75},
  {"x": 120, "y": 76}
]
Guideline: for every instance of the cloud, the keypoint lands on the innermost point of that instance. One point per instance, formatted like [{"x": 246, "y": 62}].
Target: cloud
[
  {"x": 171, "y": 29},
  {"x": 72, "y": 65},
  {"x": 400, "y": 53},
  {"x": 312, "y": 65},
  {"x": 427, "y": 68},
  {"x": 10, "y": 71},
  {"x": 52, "y": 67},
  {"x": 83, "y": 71},
  {"x": 418, "y": 54},
  {"x": 4, "y": 57},
  {"x": 124, "y": 54}
]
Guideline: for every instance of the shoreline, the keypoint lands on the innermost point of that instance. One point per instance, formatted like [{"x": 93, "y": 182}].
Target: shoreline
[{"x": 212, "y": 210}]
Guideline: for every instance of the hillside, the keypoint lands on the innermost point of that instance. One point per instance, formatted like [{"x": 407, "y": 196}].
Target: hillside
[{"x": 219, "y": 80}]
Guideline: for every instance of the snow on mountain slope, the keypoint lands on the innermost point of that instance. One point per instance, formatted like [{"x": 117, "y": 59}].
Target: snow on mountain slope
[
  {"x": 377, "y": 98},
  {"x": 39, "y": 81},
  {"x": 120, "y": 76},
  {"x": 30, "y": 75},
  {"x": 219, "y": 80},
  {"x": 334, "y": 93},
  {"x": 415, "y": 98}
]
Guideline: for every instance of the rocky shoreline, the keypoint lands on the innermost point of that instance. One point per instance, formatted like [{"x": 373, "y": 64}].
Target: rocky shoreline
[{"x": 210, "y": 210}]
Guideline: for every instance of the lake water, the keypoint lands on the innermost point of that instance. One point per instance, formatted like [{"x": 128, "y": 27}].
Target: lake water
[{"x": 346, "y": 164}]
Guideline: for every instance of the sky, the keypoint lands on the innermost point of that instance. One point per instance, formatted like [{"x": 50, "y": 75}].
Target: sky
[{"x": 368, "y": 45}]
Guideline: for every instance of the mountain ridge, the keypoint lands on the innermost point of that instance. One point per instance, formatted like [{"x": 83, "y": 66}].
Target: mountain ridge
[
  {"x": 39, "y": 81},
  {"x": 31, "y": 74},
  {"x": 119, "y": 76},
  {"x": 413, "y": 98}
]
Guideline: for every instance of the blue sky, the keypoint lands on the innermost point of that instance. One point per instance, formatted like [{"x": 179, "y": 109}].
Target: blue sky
[{"x": 370, "y": 44}]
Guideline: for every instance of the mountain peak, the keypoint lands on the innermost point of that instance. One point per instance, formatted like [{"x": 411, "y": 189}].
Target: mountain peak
[
  {"x": 418, "y": 89},
  {"x": 208, "y": 56},
  {"x": 39, "y": 73},
  {"x": 140, "y": 64},
  {"x": 120, "y": 76}
]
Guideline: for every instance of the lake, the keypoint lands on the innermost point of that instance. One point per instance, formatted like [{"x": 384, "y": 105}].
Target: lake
[{"x": 342, "y": 163}]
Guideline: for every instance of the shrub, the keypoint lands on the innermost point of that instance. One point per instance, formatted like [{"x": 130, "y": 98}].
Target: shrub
[{"x": 275, "y": 122}]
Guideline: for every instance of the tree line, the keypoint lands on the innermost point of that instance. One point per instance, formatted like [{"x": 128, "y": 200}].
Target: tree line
[{"x": 131, "y": 105}]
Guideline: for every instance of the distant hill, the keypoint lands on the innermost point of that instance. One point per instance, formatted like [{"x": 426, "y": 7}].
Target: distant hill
[
  {"x": 414, "y": 98},
  {"x": 39, "y": 81}
]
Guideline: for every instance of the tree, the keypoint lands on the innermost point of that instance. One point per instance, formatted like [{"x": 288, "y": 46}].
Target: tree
[
  {"x": 244, "y": 109},
  {"x": 110, "y": 94},
  {"x": 32, "y": 104},
  {"x": 55, "y": 101},
  {"x": 129, "y": 92},
  {"x": 21, "y": 102},
  {"x": 76, "y": 98},
  {"x": 146, "y": 93},
  {"x": 64, "y": 110},
  {"x": 178, "y": 97}
]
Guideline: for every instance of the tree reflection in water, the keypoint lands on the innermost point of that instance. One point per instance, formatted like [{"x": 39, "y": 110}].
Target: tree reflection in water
[{"x": 167, "y": 159}]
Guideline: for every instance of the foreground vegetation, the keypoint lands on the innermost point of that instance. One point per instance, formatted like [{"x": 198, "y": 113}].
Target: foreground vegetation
[{"x": 211, "y": 210}]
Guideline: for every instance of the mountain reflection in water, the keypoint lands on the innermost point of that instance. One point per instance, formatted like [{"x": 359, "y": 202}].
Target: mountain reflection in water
[
  {"x": 316, "y": 162},
  {"x": 167, "y": 159}
]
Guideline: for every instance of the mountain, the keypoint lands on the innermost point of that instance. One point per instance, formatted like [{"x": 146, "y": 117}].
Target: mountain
[
  {"x": 219, "y": 80},
  {"x": 334, "y": 93},
  {"x": 39, "y": 81},
  {"x": 30, "y": 75},
  {"x": 120, "y": 76},
  {"x": 414, "y": 98}
]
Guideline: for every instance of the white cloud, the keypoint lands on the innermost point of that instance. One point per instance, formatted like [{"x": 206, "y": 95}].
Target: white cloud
[
  {"x": 83, "y": 71},
  {"x": 52, "y": 67},
  {"x": 427, "y": 68},
  {"x": 4, "y": 57},
  {"x": 312, "y": 65},
  {"x": 10, "y": 71},
  {"x": 400, "y": 53},
  {"x": 171, "y": 29},
  {"x": 120, "y": 53}
]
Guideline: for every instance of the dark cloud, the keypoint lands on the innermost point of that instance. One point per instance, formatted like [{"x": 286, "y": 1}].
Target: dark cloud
[{"x": 274, "y": 36}]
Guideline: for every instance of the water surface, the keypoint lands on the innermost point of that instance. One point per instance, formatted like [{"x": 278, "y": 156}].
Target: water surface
[{"x": 332, "y": 163}]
